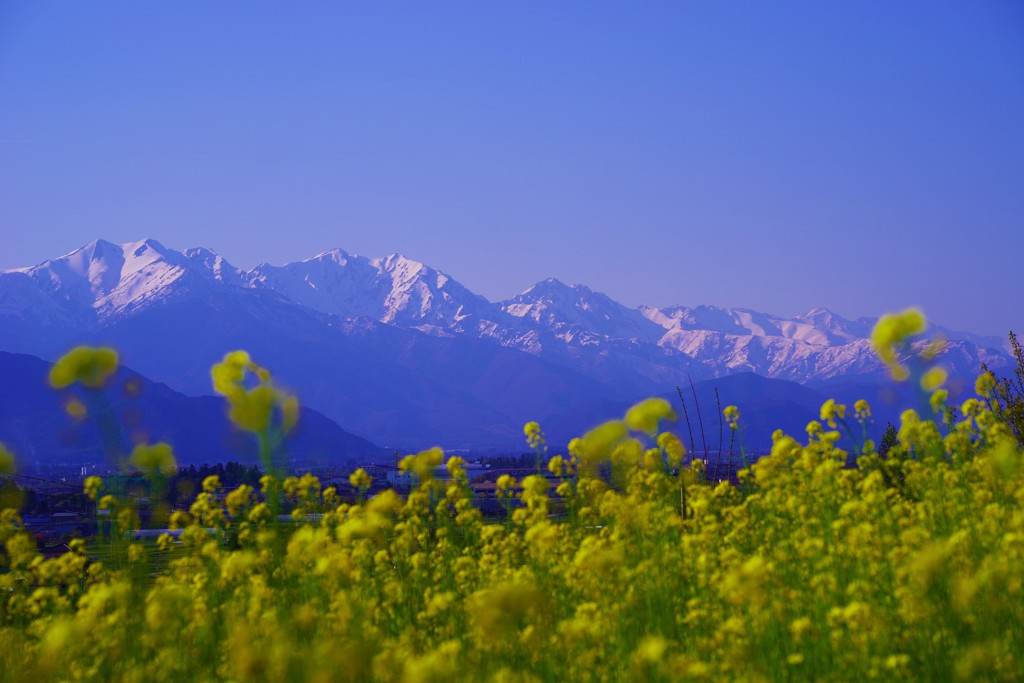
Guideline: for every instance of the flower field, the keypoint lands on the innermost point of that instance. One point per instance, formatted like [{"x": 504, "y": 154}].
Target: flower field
[{"x": 816, "y": 563}]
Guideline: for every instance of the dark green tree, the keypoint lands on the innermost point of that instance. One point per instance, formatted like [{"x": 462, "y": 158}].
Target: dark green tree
[
  {"x": 889, "y": 439},
  {"x": 1008, "y": 395}
]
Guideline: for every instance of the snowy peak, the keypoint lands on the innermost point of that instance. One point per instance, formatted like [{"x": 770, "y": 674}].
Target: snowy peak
[
  {"x": 337, "y": 255},
  {"x": 208, "y": 261},
  {"x": 393, "y": 289},
  {"x": 819, "y": 326},
  {"x": 332, "y": 282},
  {"x": 552, "y": 300},
  {"x": 421, "y": 295},
  {"x": 818, "y": 313},
  {"x": 715, "y": 318},
  {"x": 837, "y": 328},
  {"x": 400, "y": 266},
  {"x": 106, "y": 278},
  {"x": 102, "y": 283},
  {"x": 577, "y": 308},
  {"x": 146, "y": 257},
  {"x": 94, "y": 274},
  {"x": 94, "y": 268}
]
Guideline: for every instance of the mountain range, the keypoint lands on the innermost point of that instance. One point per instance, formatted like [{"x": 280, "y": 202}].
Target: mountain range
[
  {"x": 34, "y": 424},
  {"x": 406, "y": 356}
]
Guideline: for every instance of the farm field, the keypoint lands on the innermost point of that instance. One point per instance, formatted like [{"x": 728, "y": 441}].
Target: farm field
[
  {"x": 891, "y": 562},
  {"x": 532, "y": 342}
]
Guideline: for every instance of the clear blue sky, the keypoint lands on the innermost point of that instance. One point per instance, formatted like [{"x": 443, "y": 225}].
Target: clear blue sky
[{"x": 775, "y": 155}]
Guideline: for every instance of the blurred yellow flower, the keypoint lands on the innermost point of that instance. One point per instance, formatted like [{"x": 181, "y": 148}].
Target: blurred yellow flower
[
  {"x": 534, "y": 435},
  {"x": 87, "y": 365},
  {"x": 673, "y": 447},
  {"x": 75, "y": 408},
  {"x": 830, "y": 410},
  {"x": 938, "y": 400},
  {"x": 93, "y": 485},
  {"x": 598, "y": 442},
  {"x": 556, "y": 465},
  {"x": 891, "y": 332},
  {"x": 984, "y": 385},
  {"x": 423, "y": 463},
  {"x": 289, "y": 412},
  {"x": 862, "y": 409},
  {"x": 237, "y": 499},
  {"x": 360, "y": 479},
  {"x": 895, "y": 328},
  {"x": 933, "y": 378},
  {"x": 155, "y": 458},
  {"x": 645, "y": 416},
  {"x": 6, "y": 460},
  {"x": 252, "y": 408},
  {"x": 505, "y": 482}
]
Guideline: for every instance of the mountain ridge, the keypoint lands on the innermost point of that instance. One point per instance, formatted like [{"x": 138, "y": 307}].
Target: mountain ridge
[
  {"x": 386, "y": 320},
  {"x": 33, "y": 422}
]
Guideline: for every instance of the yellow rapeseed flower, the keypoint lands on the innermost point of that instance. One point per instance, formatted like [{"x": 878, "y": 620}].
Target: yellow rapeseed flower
[
  {"x": 423, "y": 463},
  {"x": 456, "y": 467},
  {"x": 158, "y": 457},
  {"x": 556, "y": 465},
  {"x": 252, "y": 408},
  {"x": 830, "y": 410},
  {"x": 598, "y": 442},
  {"x": 6, "y": 460},
  {"x": 75, "y": 409},
  {"x": 732, "y": 416},
  {"x": 87, "y": 365},
  {"x": 289, "y": 412},
  {"x": 970, "y": 407},
  {"x": 933, "y": 378},
  {"x": 505, "y": 482},
  {"x": 360, "y": 479},
  {"x": 938, "y": 400},
  {"x": 645, "y": 416},
  {"x": 653, "y": 460},
  {"x": 673, "y": 447},
  {"x": 236, "y": 499},
  {"x": 984, "y": 385},
  {"x": 534, "y": 435},
  {"x": 229, "y": 374},
  {"x": 891, "y": 332},
  {"x": 895, "y": 328},
  {"x": 93, "y": 485},
  {"x": 862, "y": 409},
  {"x": 535, "y": 484},
  {"x": 268, "y": 484}
]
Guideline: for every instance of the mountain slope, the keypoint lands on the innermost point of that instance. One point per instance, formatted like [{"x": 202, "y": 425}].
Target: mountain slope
[
  {"x": 404, "y": 354},
  {"x": 34, "y": 424}
]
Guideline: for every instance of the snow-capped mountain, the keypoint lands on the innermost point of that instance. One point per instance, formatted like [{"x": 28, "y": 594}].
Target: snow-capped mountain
[
  {"x": 394, "y": 343},
  {"x": 393, "y": 289},
  {"x": 818, "y": 326},
  {"x": 579, "y": 311},
  {"x": 814, "y": 346},
  {"x": 104, "y": 280}
]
